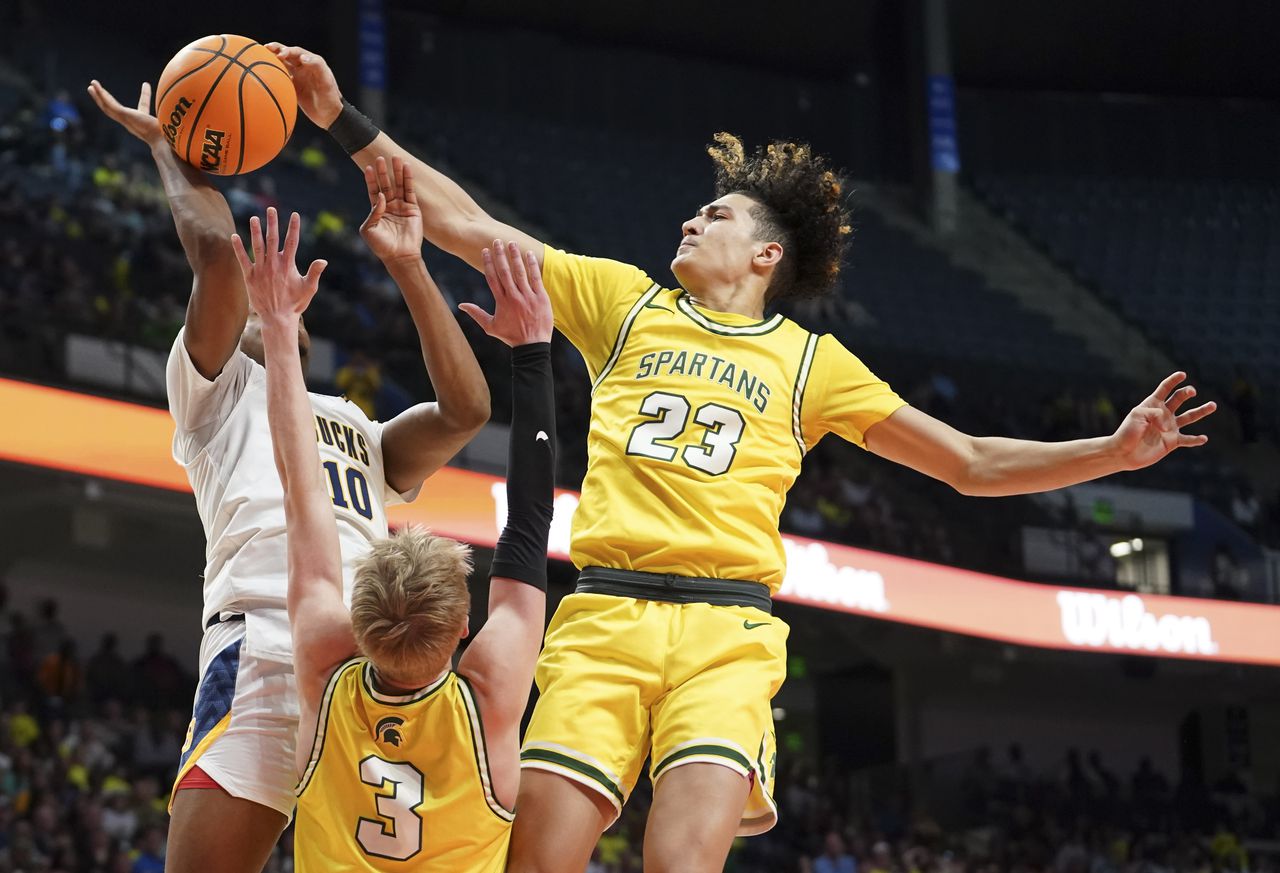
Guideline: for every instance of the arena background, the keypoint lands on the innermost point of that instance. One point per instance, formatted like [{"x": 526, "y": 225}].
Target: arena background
[{"x": 1055, "y": 206}]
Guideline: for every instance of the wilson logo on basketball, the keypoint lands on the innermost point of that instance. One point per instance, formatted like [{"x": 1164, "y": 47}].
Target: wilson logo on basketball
[
  {"x": 175, "y": 119},
  {"x": 211, "y": 153}
]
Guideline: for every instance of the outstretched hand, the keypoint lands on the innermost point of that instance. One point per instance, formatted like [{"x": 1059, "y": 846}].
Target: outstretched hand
[
  {"x": 1153, "y": 428},
  {"x": 522, "y": 309},
  {"x": 277, "y": 291},
  {"x": 393, "y": 229},
  {"x": 139, "y": 121},
  {"x": 317, "y": 89}
]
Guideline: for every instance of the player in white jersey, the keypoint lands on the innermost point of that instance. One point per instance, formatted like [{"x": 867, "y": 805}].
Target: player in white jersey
[{"x": 244, "y": 726}]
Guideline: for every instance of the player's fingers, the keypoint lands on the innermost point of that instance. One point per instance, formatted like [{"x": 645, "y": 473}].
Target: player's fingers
[
  {"x": 1186, "y": 440},
  {"x": 1165, "y": 388},
  {"x": 478, "y": 315},
  {"x": 144, "y": 98},
  {"x": 503, "y": 267},
  {"x": 237, "y": 246},
  {"x": 255, "y": 238},
  {"x": 370, "y": 184},
  {"x": 397, "y": 177},
  {"x": 535, "y": 274},
  {"x": 292, "y": 237},
  {"x": 273, "y": 231},
  {"x": 313, "y": 273},
  {"x": 410, "y": 195},
  {"x": 105, "y": 99},
  {"x": 491, "y": 273},
  {"x": 384, "y": 177},
  {"x": 516, "y": 259},
  {"x": 1181, "y": 396},
  {"x": 1191, "y": 416}
]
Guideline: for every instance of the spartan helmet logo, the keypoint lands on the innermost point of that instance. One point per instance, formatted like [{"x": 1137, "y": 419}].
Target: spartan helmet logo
[{"x": 388, "y": 731}]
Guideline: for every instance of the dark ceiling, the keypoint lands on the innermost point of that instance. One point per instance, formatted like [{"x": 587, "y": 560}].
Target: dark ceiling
[{"x": 1190, "y": 47}]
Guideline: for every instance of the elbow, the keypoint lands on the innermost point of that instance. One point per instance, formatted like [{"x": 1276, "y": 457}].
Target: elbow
[
  {"x": 967, "y": 476},
  {"x": 471, "y": 414},
  {"x": 207, "y": 245}
]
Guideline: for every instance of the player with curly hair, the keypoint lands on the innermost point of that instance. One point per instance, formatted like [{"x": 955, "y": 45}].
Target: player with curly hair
[{"x": 703, "y": 407}]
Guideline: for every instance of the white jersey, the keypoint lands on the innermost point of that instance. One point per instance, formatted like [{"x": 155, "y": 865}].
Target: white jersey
[{"x": 224, "y": 442}]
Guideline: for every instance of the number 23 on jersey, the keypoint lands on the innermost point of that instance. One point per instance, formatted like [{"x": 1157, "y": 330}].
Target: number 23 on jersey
[{"x": 719, "y": 427}]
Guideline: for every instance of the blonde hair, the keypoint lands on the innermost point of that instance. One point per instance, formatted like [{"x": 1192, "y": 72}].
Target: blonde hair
[{"x": 410, "y": 603}]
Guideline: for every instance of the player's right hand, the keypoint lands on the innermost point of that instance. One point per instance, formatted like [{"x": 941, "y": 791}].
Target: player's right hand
[
  {"x": 318, "y": 93},
  {"x": 522, "y": 309},
  {"x": 139, "y": 122},
  {"x": 277, "y": 292}
]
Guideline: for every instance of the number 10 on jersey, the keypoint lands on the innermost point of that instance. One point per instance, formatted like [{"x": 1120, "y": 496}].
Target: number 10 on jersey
[{"x": 669, "y": 416}]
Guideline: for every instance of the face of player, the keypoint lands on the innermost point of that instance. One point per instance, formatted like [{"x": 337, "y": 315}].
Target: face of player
[
  {"x": 251, "y": 340},
  {"x": 719, "y": 246}
]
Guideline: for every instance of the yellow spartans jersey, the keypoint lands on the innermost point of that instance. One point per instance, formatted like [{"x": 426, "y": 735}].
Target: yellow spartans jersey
[
  {"x": 398, "y": 782},
  {"x": 699, "y": 422}
]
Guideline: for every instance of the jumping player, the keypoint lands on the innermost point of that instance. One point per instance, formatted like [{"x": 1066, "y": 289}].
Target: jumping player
[
  {"x": 703, "y": 408},
  {"x": 240, "y": 748},
  {"x": 401, "y": 759}
]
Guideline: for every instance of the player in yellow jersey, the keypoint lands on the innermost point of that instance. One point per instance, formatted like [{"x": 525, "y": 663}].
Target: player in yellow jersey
[
  {"x": 405, "y": 764},
  {"x": 702, "y": 409}
]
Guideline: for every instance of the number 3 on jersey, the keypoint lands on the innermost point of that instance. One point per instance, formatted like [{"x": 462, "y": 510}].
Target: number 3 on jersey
[
  {"x": 670, "y": 413},
  {"x": 397, "y": 831}
]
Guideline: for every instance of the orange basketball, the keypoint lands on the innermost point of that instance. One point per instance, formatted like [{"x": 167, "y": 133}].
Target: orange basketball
[{"x": 226, "y": 104}]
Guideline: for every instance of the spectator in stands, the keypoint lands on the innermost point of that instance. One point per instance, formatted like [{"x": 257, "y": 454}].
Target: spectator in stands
[
  {"x": 106, "y": 673},
  {"x": 881, "y": 859},
  {"x": 1245, "y": 398},
  {"x": 48, "y": 632},
  {"x": 360, "y": 380},
  {"x": 150, "y": 857},
  {"x": 1147, "y": 787},
  {"x": 835, "y": 857},
  {"x": 160, "y": 679},
  {"x": 60, "y": 676}
]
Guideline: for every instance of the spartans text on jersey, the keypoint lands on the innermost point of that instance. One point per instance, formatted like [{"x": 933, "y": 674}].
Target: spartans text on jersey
[{"x": 698, "y": 365}]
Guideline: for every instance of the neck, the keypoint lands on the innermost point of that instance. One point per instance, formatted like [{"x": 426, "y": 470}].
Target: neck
[
  {"x": 742, "y": 298},
  {"x": 398, "y": 688}
]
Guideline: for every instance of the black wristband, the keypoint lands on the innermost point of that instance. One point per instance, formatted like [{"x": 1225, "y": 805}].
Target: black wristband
[
  {"x": 352, "y": 129},
  {"x": 521, "y": 553}
]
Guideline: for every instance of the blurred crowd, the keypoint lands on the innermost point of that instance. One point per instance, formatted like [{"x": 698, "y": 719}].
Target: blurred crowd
[
  {"x": 1080, "y": 817},
  {"x": 89, "y": 748}
]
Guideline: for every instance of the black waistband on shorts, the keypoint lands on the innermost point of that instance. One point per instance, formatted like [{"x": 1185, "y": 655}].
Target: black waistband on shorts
[
  {"x": 219, "y": 618},
  {"x": 670, "y": 588}
]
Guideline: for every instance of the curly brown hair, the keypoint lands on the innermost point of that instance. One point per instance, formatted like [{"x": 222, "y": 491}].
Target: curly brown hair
[{"x": 799, "y": 205}]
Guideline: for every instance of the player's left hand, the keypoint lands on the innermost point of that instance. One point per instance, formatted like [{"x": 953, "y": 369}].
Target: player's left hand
[
  {"x": 1153, "y": 428},
  {"x": 277, "y": 291},
  {"x": 139, "y": 121},
  {"x": 522, "y": 309},
  {"x": 393, "y": 230}
]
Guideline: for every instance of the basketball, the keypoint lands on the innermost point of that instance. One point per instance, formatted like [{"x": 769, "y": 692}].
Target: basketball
[{"x": 226, "y": 104}]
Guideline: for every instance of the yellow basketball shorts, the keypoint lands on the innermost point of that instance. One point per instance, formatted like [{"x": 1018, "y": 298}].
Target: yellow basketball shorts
[{"x": 621, "y": 678}]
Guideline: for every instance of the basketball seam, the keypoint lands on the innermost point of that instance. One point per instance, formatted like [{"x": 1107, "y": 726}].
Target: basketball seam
[
  {"x": 195, "y": 122},
  {"x": 160, "y": 99},
  {"x": 283, "y": 121},
  {"x": 240, "y": 104}
]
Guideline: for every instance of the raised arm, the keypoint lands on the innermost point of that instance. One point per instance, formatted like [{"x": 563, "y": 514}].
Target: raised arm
[
  {"x": 453, "y": 221},
  {"x": 218, "y": 307},
  {"x": 419, "y": 441},
  {"x": 500, "y": 661},
  {"x": 321, "y": 625},
  {"x": 999, "y": 466}
]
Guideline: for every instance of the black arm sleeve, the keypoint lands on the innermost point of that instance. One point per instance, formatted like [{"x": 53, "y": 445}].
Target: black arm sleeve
[{"x": 531, "y": 463}]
